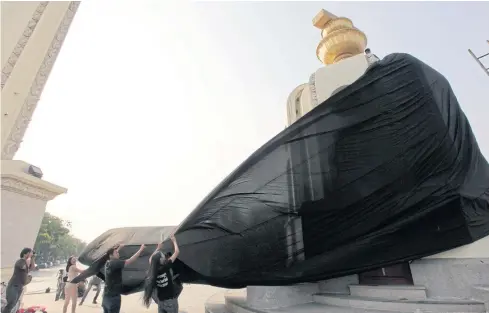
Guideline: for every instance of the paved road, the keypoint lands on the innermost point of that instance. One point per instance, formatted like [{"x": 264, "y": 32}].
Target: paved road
[{"x": 42, "y": 279}]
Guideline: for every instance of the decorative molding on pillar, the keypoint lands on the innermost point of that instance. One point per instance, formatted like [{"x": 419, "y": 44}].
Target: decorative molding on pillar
[
  {"x": 15, "y": 179},
  {"x": 14, "y": 184},
  {"x": 18, "y": 130},
  {"x": 312, "y": 87},
  {"x": 24, "y": 38}
]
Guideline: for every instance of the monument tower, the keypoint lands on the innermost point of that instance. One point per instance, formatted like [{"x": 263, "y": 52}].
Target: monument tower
[
  {"x": 32, "y": 35},
  {"x": 453, "y": 281}
]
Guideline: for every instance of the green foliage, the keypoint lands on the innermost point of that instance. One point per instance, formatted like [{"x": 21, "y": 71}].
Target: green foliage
[{"x": 54, "y": 239}]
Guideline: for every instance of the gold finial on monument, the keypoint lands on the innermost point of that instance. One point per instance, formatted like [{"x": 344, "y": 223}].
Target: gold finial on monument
[{"x": 341, "y": 39}]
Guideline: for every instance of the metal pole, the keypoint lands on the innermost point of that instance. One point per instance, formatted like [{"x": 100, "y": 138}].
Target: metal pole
[{"x": 479, "y": 62}]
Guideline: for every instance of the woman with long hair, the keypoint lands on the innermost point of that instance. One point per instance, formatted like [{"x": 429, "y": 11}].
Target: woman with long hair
[
  {"x": 160, "y": 281},
  {"x": 71, "y": 289}
]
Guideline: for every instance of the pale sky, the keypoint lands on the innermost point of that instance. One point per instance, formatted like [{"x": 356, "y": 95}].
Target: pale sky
[{"x": 152, "y": 103}]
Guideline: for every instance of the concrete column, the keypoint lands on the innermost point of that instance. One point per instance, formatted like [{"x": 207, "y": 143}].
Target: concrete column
[{"x": 32, "y": 35}]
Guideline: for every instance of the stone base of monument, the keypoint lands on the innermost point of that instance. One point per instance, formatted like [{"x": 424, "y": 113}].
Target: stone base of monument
[
  {"x": 447, "y": 285},
  {"x": 24, "y": 198}
]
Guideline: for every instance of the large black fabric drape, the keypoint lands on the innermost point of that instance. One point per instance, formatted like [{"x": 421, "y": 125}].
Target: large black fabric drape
[{"x": 385, "y": 171}]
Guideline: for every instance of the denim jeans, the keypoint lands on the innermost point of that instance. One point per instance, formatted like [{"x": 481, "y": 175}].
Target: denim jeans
[
  {"x": 168, "y": 306},
  {"x": 111, "y": 303},
  {"x": 12, "y": 295},
  {"x": 90, "y": 287}
]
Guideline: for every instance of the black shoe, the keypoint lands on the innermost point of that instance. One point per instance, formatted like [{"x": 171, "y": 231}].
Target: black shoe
[
  {"x": 81, "y": 303},
  {"x": 94, "y": 302}
]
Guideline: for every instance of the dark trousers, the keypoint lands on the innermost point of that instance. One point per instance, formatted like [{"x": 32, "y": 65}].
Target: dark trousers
[
  {"x": 111, "y": 304},
  {"x": 90, "y": 287},
  {"x": 12, "y": 295},
  {"x": 168, "y": 306}
]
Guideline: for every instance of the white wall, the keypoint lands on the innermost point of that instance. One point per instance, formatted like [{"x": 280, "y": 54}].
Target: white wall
[
  {"x": 476, "y": 250},
  {"x": 21, "y": 218},
  {"x": 15, "y": 18},
  {"x": 327, "y": 80},
  {"x": 334, "y": 76},
  {"x": 22, "y": 76}
]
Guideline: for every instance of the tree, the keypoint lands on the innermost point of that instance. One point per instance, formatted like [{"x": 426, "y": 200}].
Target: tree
[{"x": 54, "y": 239}]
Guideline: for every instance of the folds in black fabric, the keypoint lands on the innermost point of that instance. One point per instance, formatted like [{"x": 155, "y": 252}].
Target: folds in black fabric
[{"x": 385, "y": 171}]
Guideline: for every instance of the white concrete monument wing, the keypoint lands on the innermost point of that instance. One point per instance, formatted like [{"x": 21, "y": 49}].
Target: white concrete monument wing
[{"x": 32, "y": 34}]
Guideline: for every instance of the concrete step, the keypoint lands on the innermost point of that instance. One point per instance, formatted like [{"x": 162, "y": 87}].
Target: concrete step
[
  {"x": 215, "y": 308},
  {"x": 481, "y": 293},
  {"x": 402, "y": 292},
  {"x": 237, "y": 304},
  {"x": 427, "y": 305},
  {"x": 215, "y": 304}
]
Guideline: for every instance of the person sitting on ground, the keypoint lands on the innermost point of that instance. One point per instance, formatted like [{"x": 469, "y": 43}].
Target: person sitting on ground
[
  {"x": 160, "y": 280},
  {"x": 20, "y": 278}
]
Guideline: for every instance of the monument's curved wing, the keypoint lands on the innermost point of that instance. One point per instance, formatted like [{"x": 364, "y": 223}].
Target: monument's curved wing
[
  {"x": 131, "y": 238},
  {"x": 385, "y": 171}
]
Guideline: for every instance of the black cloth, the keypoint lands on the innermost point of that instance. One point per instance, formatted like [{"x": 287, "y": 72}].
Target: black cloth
[
  {"x": 12, "y": 296},
  {"x": 111, "y": 303},
  {"x": 165, "y": 288},
  {"x": 21, "y": 273},
  {"x": 177, "y": 285},
  {"x": 385, "y": 171},
  {"x": 134, "y": 274},
  {"x": 113, "y": 277}
]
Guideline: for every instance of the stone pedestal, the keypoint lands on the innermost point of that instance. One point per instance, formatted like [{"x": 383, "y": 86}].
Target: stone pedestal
[
  {"x": 454, "y": 273},
  {"x": 261, "y": 297},
  {"x": 450, "y": 278},
  {"x": 24, "y": 199}
]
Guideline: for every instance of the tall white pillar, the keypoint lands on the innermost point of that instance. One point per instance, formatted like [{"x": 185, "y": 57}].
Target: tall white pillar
[{"x": 32, "y": 35}]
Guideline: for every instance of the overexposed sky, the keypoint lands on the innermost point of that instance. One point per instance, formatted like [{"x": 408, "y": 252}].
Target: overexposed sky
[{"x": 152, "y": 103}]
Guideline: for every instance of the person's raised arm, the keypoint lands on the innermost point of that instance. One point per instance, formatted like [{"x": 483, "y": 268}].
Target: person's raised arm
[
  {"x": 175, "y": 254},
  {"x": 158, "y": 248},
  {"x": 31, "y": 263},
  {"x": 135, "y": 256}
]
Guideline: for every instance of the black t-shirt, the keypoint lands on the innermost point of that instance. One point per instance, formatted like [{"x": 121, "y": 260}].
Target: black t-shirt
[
  {"x": 113, "y": 277},
  {"x": 20, "y": 275},
  {"x": 165, "y": 288}
]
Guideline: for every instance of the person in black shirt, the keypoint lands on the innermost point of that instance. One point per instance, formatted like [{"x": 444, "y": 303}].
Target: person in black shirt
[
  {"x": 111, "y": 302},
  {"x": 160, "y": 279},
  {"x": 19, "y": 279}
]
